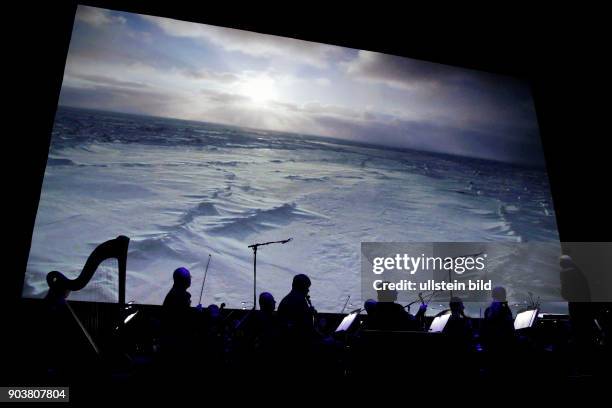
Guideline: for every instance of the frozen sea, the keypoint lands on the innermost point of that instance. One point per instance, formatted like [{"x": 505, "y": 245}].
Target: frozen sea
[{"x": 182, "y": 190}]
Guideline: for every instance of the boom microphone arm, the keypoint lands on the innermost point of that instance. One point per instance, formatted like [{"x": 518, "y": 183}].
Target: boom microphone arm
[{"x": 255, "y": 246}]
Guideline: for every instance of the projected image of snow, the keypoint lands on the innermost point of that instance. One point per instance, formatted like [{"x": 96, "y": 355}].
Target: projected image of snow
[{"x": 195, "y": 140}]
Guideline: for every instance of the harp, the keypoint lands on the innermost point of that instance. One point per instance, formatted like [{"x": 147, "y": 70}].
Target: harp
[{"x": 115, "y": 248}]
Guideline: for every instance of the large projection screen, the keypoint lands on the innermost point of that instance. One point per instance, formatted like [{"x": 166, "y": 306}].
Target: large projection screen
[{"x": 194, "y": 139}]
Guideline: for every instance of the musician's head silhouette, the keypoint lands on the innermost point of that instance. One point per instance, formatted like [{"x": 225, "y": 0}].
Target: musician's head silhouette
[
  {"x": 574, "y": 284},
  {"x": 267, "y": 303},
  {"x": 456, "y": 305},
  {"x": 301, "y": 283},
  {"x": 182, "y": 278},
  {"x": 213, "y": 311},
  {"x": 369, "y": 306},
  {"x": 498, "y": 294},
  {"x": 387, "y": 295}
]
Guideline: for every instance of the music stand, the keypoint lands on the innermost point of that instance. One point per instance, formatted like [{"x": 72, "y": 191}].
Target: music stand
[
  {"x": 525, "y": 320},
  {"x": 347, "y": 322},
  {"x": 438, "y": 323}
]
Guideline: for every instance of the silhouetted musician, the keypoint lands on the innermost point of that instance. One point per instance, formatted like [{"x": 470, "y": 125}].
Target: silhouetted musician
[
  {"x": 575, "y": 290},
  {"x": 178, "y": 298},
  {"x": 459, "y": 327},
  {"x": 262, "y": 327},
  {"x": 370, "y": 308},
  {"x": 177, "y": 317},
  {"x": 498, "y": 324},
  {"x": 265, "y": 322},
  {"x": 386, "y": 314},
  {"x": 295, "y": 312}
]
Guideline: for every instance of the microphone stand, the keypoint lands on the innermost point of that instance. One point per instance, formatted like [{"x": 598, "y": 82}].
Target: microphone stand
[{"x": 254, "y": 248}]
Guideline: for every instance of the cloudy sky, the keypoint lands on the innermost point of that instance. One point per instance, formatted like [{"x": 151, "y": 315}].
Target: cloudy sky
[{"x": 157, "y": 66}]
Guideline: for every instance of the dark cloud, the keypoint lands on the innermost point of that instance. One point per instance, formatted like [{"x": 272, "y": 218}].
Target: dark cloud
[
  {"x": 431, "y": 81},
  {"x": 501, "y": 144},
  {"x": 104, "y": 80},
  {"x": 411, "y": 73},
  {"x": 203, "y": 74},
  {"x": 503, "y": 141},
  {"x": 146, "y": 102},
  {"x": 88, "y": 49},
  {"x": 398, "y": 71}
]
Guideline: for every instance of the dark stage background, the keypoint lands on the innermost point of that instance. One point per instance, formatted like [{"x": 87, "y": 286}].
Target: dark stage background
[{"x": 560, "y": 52}]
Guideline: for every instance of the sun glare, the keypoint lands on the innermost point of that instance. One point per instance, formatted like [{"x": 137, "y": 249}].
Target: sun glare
[{"x": 259, "y": 90}]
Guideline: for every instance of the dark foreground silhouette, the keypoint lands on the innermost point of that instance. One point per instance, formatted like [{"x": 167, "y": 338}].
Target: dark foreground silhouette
[{"x": 147, "y": 349}]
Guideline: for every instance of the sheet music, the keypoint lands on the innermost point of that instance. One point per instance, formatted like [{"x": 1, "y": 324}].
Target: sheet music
[
  {"x": 525, "y": 319},
  {"x": 438, "y": 323},
  {"x": 346, "y": 322}
]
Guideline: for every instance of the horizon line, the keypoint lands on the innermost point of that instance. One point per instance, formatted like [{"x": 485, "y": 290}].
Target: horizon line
[{"x": 541, "y": 166}]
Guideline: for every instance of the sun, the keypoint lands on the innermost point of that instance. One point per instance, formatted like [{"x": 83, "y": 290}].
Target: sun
[{"x": 260, "y": 90}]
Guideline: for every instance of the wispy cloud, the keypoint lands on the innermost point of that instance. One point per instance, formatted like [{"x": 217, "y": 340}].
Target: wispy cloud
[
  {"x": 249, "y": 43},
  {"x": 97, "y": 17}
]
